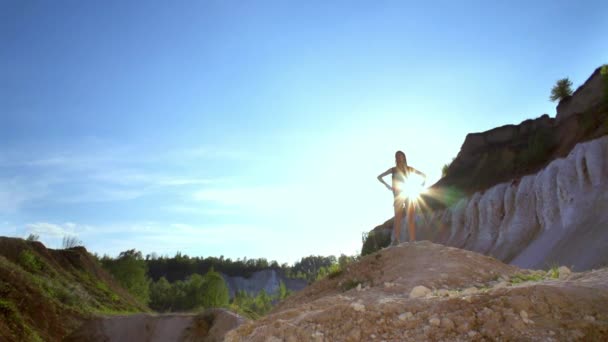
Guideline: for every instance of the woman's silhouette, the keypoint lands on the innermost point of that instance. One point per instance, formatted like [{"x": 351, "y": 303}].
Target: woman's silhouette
[{"x": 400, "y": 173}]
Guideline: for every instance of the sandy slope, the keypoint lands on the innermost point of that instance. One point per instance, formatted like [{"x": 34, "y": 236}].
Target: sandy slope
[
  {"x": 209, "y": 326},
  {"x": 466, "y": 296}
]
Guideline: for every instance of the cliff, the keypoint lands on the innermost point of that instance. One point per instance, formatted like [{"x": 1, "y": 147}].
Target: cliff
[{"x": 532, "y": 194}]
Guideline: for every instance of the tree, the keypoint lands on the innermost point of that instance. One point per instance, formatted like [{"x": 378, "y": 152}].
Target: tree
[
  {"x": 33, "y": 237},
  {"x": 70, "y": 241},
  {"x": 161, "y": 295},
  {"x": 129, "y": 269},
  {"x": 561, "y": 89},
  {"x": 214, "y": 290}
]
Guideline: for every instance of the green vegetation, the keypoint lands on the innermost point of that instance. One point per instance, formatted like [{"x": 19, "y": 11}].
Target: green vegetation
[
  {"x": 130, "y": 269},
  {"x": 70, "y": 241},
  {"x": 537, "y": 150},
  {"x": 374, "y": 241},
  {"x": 195, "y": 292},
  {"x": 350, "y": 284},
  {"x": 520, "y": 278},
  {"x": 29, "y": 261},
  {"x": 561, "y": 90},
  {"x": 445, "y": 167},
  {"x": 33, "y": 237}
]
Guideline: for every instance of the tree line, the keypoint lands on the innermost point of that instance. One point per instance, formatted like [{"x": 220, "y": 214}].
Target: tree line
[{"x": 183, "y": 283}]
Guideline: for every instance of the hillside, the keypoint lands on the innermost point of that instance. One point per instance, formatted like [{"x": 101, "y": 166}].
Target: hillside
[
  {"x": 424, "y": 291},
  {"x": 46, "y": 293}
]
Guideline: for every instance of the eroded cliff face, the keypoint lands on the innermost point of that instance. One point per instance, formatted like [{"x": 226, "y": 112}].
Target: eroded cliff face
[
  {"x": 267, "y": 280},
  {"x": 556, "y": 216}
]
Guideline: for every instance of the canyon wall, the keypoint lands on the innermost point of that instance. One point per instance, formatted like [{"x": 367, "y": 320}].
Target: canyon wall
[{"x": 556, "y": 216}]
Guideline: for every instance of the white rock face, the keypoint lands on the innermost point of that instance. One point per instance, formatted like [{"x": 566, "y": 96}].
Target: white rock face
[{"x": 557, "y": 216}]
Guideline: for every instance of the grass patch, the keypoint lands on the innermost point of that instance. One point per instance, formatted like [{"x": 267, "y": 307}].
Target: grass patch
[
  {"x": 335, "y": 273},
  {"x": 350, "y": 284},
  {"x": 520, "y": 278},
  {"x": 30, "y": 261}
]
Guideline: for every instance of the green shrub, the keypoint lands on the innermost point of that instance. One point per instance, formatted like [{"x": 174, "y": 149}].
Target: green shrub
[
  {"x": 374, "y": 241},
  {"x": 33, "y": 237},
  {"x": 538, "y": 148},
  {"x": 561, "y": 89},
  {"x": 29, "y": 261},
  {"x": 445, "y": 167},
  {"x": 350, "y": 284}
]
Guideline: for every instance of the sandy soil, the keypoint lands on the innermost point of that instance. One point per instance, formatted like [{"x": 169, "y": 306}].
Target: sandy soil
[
  {"x": 212, "y": 325},
  {"x": 425, "y": 291}
]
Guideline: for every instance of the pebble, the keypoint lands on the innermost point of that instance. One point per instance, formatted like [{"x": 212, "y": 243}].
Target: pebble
[
  {"x": 447, "y": 323},
  {"x": 443, "y": 293},
  {"x": 589, "y": 318},
  {"x": 405, "y": 316},
  {"x": 358, "y": 307},
  {"x": 419, "y": 291},
  {"x": 435, "y": 321},
  {"x": 564, "y": 272},
  {"x": 359, "y": 287},
  {"x": 469, "y": 291}
]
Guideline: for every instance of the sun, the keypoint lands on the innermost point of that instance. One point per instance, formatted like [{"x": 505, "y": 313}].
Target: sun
[{"x": 412, "y": 190}]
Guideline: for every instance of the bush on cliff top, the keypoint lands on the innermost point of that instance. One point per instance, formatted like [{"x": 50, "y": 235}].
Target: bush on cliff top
[{"x": 561, "y": 89}]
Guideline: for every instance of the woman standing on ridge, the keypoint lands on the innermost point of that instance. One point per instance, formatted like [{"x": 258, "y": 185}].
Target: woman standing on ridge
[{"x": 400, "y": 173}]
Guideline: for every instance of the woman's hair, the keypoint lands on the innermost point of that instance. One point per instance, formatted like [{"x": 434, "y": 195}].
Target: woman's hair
[{"x": 397, "y": 154}]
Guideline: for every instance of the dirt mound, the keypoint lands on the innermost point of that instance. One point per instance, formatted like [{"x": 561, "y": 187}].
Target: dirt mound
[
  {"x": 209, "y": 326},
  {"x": 45, "y": 293},
  {"x": 424, "y": 291}
]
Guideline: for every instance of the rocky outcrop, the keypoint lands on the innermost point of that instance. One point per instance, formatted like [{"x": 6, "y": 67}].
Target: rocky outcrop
[
  {"x": 556, "y": 216},
  {"x": 591, "y": 94},
  {"x": 512, "y": 151},
  {"x": 428, "y": 292},
  {"x": 267, "y": 280}
]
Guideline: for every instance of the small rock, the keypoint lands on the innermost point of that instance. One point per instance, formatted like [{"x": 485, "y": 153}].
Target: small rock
[
  {"x": 472, "y": 333},
  {"x": 589, "y": 318},
  {"x": 523, "y": 314},
  {"x": 447, "y": 323},
  {"x": 372, "y": 336},
  {"x": 551, "y": 332},
  {"x": 443, "y": 293},
  {"x": 435, "y": 321},
  {"x": 358, "y": 307},
  {"x": 359, "y": 287},
  {"x": 405, "y": 316},
  {"x": 505, "y": 278},
  {"x": 564, "y": 272},
  {"x": 419, "y": 291},
  {"x": 469, "y": 291},
  {"x": 501, "y": 284}
]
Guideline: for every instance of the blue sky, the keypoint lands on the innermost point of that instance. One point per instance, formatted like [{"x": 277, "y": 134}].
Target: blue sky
[{"x": 257, "y": 128}]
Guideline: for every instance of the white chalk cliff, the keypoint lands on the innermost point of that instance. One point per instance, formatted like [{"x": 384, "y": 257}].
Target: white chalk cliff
[{"x": 556, "y": 216}]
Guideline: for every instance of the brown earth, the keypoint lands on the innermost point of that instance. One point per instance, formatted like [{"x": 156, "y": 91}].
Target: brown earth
[
  {"x": 45, "y": 294},
  {"x": 424, "y": 291},
  {"x": 210, "y": 326}
]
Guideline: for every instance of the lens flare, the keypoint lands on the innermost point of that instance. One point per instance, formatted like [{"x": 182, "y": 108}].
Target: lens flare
[{"x": 412, "y": 190}]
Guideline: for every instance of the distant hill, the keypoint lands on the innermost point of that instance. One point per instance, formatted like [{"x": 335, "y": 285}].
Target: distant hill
[{"x": 47, "y": 293}]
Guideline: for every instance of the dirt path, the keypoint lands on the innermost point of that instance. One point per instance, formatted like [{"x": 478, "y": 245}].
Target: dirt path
[{"x": 211, "y": 325}]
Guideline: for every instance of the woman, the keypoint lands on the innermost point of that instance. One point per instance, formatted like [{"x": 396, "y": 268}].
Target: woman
[{"x": 400, "y": 173}]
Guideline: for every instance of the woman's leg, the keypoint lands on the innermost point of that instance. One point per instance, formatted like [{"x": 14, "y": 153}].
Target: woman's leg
[
  {"x": 411, "y": 223},
  {"x": 398, "y": 205}
]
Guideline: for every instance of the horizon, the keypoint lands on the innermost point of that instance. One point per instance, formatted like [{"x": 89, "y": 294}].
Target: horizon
[{"x": 258, "y": 129}]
